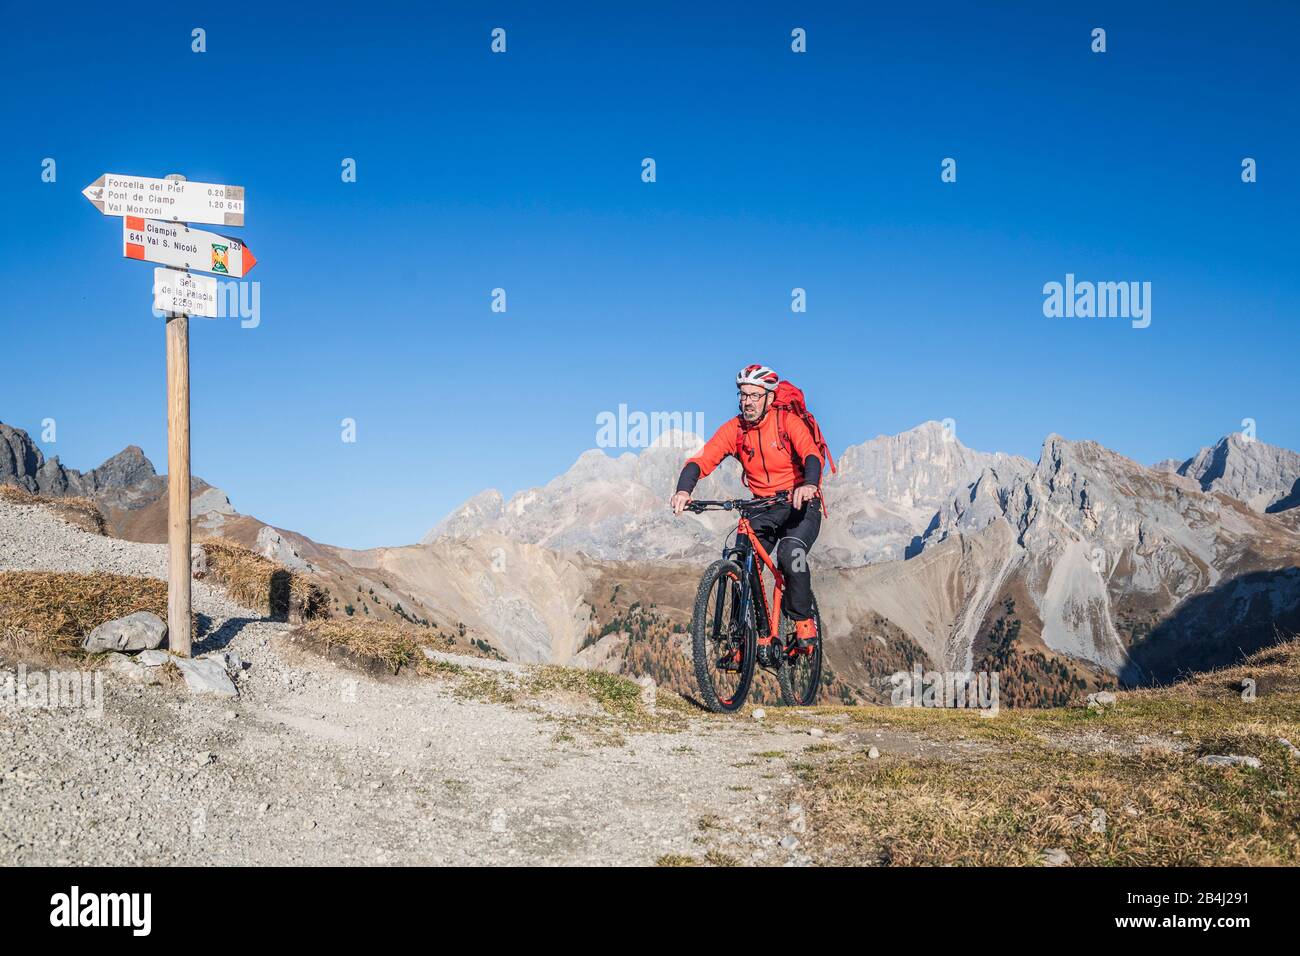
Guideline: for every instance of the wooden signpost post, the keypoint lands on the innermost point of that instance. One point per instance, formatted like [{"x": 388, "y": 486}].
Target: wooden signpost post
[{"x": 154, "y": 229}]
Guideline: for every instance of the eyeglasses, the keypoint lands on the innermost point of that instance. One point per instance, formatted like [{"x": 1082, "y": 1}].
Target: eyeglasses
[{"x": 751, "y": 397}]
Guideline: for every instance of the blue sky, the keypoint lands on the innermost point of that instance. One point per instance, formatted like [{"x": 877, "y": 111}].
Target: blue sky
[{"x": 774, "y": 171}]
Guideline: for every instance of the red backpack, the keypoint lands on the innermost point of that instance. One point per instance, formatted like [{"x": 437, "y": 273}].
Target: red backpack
[{"x": 789, "y": 399}]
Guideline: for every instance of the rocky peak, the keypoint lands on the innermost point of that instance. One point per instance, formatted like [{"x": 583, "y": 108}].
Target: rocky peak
[
  {"x": 1257, "y": 474},
  {"x": 476, "y": 514},
  {"x": 23, "y": 464},
  {"x": 919, "y": 468},
  {"x": 129, "y": 467}
]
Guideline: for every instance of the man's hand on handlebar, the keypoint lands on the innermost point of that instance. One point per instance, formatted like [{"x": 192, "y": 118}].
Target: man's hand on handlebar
[
  {"x": 679, "y": 501},
  {"x": 802, "y": 495}
]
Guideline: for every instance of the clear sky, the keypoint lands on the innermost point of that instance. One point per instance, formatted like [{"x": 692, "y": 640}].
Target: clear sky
[{"x": 775, "y": 170}]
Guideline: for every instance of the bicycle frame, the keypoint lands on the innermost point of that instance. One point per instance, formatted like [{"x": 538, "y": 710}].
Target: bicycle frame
[{"x": 771, "y": 611}]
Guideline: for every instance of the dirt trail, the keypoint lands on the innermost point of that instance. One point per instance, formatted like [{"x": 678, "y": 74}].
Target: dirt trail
[{"x": 316, "y": 763}]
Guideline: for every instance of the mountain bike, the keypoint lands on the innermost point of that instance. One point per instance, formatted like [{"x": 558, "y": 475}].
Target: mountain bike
[{"x": 735, "y": 627}]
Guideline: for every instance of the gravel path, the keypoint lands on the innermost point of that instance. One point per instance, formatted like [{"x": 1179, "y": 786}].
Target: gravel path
[{"x": 317, "y": 764}]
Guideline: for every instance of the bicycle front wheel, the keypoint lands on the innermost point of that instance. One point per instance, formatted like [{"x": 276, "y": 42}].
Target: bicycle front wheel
[{"x": 724, "y": 645}]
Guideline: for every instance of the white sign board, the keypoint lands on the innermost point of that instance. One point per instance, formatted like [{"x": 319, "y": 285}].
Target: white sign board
[
  {"x": 176, "y": 244},
  {"x": 183, "y": 293},
  {"x": 176, "y": 200}
]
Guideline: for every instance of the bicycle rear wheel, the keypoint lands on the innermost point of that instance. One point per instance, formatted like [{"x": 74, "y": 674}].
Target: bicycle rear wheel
[
  {"x": 724, "y": 645},
  {"x": 800, "y": 672}
]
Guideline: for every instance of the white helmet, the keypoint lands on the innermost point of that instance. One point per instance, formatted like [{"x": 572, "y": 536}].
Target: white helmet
[{"x": 759, "y": 375}]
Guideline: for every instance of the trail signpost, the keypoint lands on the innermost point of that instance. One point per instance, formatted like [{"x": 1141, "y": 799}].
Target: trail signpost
[
  {"x": 175, "y": 200},
  {"x": 176, "y": 244},
  {"x": 181, "y": 292},
  {"x": 154, "y": 215}
]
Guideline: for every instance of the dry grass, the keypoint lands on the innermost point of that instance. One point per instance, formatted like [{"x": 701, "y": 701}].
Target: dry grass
[
  {"x": 80, "y": 512},
  {"x": 263, "y": 585},
  {"x": 1110, "y": 787},
  {"x": 1207, "y": 704},
  {"x": 1154, "y": 808},
  {"x": 612, "y": 703},
  {"x": 395, "y": 644},
  {"x": 49, "y": 612}
]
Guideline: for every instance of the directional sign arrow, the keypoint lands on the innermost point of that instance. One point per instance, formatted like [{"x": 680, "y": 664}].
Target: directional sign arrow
[
  {"x": 175, "y": 244},
  {"x": 177, "y": 200},
  {"x": 184, "y": 294}
]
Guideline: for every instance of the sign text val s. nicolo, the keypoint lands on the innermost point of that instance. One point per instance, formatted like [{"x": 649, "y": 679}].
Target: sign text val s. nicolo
[{"x": 155, "y": 228}]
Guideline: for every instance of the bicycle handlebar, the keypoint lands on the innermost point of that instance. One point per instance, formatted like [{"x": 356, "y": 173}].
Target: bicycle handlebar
[{"x": 738, "y": 504}]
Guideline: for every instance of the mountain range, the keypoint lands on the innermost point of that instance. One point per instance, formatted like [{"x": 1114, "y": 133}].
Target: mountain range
[{"x": 1081, "y": 570}]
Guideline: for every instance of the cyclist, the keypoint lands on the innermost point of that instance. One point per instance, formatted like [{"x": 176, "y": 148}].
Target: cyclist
[{"x": 772, "y": 463}]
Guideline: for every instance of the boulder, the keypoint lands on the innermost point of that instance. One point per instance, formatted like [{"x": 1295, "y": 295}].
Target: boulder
[
  {"x": 206, "y": 675},
  {"x": 140, "y": 631},
  {"x": 126, "y": 668}
]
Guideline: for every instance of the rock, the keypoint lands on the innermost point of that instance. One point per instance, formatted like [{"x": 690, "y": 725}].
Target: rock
[
  {"x": 206, "y": 675},
  {"x": 647, "y": 693},
  {"x": 1291, "y": 748},
  {"x": 759, "y": 713},
  {"x": 232, "y": 661},
  {"x": 140, "y": 631},
  {"x": 789, "y": 843},
  {"x": 816, "y": 732},
  {"x": 198, "y": 561},
  {"x": 873, "y": 753},
  {"x": 1054, "y": 857},
  {"x": 1103, "y": 698},
  {"x": 271, "y": 544},
  {"x": 230, "y": 715},
  {"x": 127, "y": 669},
  {"x": 1229, "y": 760},
  {"x": 152, "y": 658},
  {"x": 204, "y": 757}
]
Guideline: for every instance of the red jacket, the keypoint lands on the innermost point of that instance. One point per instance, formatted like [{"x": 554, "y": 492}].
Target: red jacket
[{"x": 772, "y": 462}]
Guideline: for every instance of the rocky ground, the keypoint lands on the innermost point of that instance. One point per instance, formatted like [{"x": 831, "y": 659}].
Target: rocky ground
[{"x": 319, "y": 763}]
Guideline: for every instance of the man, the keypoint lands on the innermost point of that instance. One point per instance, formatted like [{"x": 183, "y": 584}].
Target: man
[{"x": 772, "y": 462}]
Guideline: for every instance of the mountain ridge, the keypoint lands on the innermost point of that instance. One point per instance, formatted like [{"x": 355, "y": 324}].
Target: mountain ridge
[{"x": 1107, "y": 568}]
